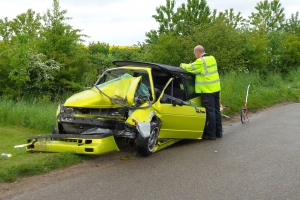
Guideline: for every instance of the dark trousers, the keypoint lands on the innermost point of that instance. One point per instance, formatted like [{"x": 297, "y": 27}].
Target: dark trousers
[{"x": 211, "y": 102}]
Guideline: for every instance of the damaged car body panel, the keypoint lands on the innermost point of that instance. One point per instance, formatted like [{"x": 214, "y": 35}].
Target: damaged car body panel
[
  {"x": 152, "y": 105},
  {"x": 121, "y": 89},
  {"x": 80, "y": 144}
]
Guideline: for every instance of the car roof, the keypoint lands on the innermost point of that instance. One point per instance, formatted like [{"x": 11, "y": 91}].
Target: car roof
[{"x": 177, "y": 71}]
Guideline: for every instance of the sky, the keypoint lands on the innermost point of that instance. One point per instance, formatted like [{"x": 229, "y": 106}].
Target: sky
[{"x": 122, "y": 22}]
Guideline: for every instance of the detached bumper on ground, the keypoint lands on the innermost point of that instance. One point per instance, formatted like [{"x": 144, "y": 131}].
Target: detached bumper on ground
[{"x": 79, "y": 144}]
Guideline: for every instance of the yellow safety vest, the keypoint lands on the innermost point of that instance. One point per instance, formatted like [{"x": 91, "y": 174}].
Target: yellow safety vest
[{"x": 207, "y": 76}]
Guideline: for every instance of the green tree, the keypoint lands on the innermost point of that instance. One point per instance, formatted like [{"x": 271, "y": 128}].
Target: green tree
[
  {"x": 22, "y": 40},
  {"x": 164, "y": 17},
  {"x": 236, "y": 21},
  {"x": 269, "y": 16},
  {"x": 189, "y": 16},
  {"x": 59, "y": 41},
  {"x": 7, "y": 86},
  {"x": 291, "y": 49},
  {"x": 171, "y": 49},
  {"x": 5, "y": 30},
  {"x": 224, "y": 42},
  {"x": 293, "y": 24},
  {"x": 40, "y": 72}
]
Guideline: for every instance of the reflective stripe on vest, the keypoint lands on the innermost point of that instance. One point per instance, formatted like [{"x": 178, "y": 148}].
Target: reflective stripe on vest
[
  {"x": 209, "y": 73},
  {"x": 204, "y": 63},
  {"x": 205, "y": 69},
  {"x": 207, "y": 83},
  {"x": 193, "y": 67}
]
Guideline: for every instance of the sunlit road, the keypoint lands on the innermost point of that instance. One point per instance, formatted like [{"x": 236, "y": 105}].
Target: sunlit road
[{"x": 256, "y": 160}]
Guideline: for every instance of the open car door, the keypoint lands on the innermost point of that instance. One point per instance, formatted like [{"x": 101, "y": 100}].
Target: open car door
[{"x": 185, "y": 121}]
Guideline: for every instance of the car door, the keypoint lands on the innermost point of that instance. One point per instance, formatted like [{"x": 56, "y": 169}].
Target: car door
[{"x": 178, "y": 121}]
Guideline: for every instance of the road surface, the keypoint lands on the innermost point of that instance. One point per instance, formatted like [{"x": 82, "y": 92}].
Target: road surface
[{"x": 256, "y": 160}]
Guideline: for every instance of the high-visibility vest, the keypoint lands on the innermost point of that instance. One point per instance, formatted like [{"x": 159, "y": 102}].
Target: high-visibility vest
[{"x": 206, "y": 71}]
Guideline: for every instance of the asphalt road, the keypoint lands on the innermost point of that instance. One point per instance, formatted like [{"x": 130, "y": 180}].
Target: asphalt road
[{"x": 256, "y": 160}]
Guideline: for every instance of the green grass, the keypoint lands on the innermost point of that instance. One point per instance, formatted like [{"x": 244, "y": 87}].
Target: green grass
[
  {"x": 30, "y": 114},
  {"x": 24, "y": 163},
  {"x": 263, "y": 92}
]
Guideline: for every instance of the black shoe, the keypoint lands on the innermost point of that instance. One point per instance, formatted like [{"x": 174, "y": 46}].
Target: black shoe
[
  {"x": 204, "y": 137},
  {"x": 219, "y": 136}
]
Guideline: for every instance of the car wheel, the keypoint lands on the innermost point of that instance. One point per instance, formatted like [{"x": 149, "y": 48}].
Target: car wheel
[{"x": 145, "y": 146}]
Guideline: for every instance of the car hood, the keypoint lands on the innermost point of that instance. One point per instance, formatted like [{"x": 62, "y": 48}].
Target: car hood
[{"x": 122, "y": 90}]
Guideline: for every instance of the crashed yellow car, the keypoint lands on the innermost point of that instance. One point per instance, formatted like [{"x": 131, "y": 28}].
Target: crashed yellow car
[{"x": 148, "y": 105}]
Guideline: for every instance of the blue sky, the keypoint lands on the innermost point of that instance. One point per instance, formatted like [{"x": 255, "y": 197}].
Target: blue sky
[{"x": 122, "y": 22}]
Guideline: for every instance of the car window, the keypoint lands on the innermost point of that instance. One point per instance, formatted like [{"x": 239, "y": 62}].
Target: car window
[
  {"x": 190, "y": 83},
  {"x": 145, "y": 77},
  {"x": 174, "y": 90}
]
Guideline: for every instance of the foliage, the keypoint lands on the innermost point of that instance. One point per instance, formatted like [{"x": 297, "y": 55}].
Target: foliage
[
  {"x": 293, "y": 24},
  {"x": 62, "y": 43},
  {"x": 269, "y": 16},
  {"x": 182, "y": 22},
  {"x": 190, "y": 15},
  {"x": 291, "y": 48},
  {"x": 33, "y": 46},
  {"x": 223, "y": 42},
  {"x": 170, "y": 50}
]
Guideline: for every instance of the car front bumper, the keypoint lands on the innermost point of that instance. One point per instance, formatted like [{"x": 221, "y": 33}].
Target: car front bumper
[{"x": 79, "y": 144}]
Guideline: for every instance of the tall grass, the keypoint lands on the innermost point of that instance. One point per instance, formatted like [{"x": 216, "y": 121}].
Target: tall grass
[
  {"x": 32, "y": 114},
  {"x": 264, "y": 91}
]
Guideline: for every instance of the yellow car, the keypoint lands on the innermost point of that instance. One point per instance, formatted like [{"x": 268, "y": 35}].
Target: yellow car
[{"x": 148, "y": 105}]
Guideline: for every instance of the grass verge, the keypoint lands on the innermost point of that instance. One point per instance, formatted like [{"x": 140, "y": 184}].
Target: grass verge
[
  {"x": 23, "y": 163},
  {"x": 264, "y": 91}
]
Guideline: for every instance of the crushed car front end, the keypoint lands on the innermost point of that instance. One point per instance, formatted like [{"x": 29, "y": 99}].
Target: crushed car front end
[{"x": 118, "y": 106}]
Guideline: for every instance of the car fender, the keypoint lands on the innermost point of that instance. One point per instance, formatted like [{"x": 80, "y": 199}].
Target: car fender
[{"x": 141, "y": 118}]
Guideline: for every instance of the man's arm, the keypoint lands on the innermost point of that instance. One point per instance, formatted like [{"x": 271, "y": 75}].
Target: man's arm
[{"x": 193, "y": 68}]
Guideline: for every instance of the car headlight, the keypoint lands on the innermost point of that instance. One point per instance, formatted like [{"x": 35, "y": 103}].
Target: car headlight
[{"x": 69, "y": 110}]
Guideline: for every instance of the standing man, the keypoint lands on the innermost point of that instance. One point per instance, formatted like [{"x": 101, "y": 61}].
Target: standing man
[{"x": 207, "y": 84}]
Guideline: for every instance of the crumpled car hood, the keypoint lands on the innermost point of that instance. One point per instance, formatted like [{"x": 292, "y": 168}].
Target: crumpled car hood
[{"x": 122, "y": 90}]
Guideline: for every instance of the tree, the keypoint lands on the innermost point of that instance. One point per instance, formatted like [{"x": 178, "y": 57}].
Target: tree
[
  {"x": 191, "y": 15},
  {"x": 182, "y": 22},
  {"x": 61, "y": 42},
  {"x": 171, "y": 49},
  {"x": 6, "y": 85},
  {"x": 22, "y": 38},
  {"x": 291, "y": 49},
  {"x": 164, "y": 17},
  {"x": 5, "y": 30},
  {"x": 224, "y": 42},
  {"x": 40, "y": 72},
  {"x": 269, "y": 16},
  {"x": 293, "y": 24},
  {"x": 236, "y": 21}
]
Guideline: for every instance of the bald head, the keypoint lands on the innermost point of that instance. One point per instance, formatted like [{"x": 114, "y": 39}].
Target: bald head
[{"x": 199, "y": 51}]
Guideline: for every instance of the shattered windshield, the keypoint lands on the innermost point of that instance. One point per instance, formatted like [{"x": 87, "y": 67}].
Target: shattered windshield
[{"x": 122, "y": 80}]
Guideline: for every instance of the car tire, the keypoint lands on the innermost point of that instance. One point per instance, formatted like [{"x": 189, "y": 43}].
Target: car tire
[{"x": 145, "y": 146}]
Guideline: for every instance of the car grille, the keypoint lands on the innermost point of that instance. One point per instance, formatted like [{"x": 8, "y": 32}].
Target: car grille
[{"x": 105, "y": 112}]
